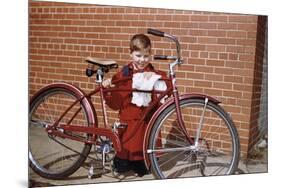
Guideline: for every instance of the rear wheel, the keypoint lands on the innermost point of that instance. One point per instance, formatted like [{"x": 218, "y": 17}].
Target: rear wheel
[
  {"x": 172, "y": 155},
  {"x": 51, "y": 156}
]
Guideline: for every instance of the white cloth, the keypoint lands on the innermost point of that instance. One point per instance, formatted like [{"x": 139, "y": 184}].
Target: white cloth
[
  {"x": 160, "y": 85},
  {"x": 141, "y": 81}
]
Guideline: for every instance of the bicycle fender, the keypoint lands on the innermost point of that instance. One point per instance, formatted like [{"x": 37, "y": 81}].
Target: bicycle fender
[
  {"x": 78, "y": 93},
  {"x": 160, "y": 110}
]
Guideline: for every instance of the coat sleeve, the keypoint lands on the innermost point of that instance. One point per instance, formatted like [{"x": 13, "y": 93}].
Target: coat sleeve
[{"x": 114, "y": 99}]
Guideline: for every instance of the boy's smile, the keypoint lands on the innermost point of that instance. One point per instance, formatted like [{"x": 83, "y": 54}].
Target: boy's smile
[{"x": 140, "y": 59}]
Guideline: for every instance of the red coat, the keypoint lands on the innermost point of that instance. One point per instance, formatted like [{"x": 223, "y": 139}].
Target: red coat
[{"x": 132, "y": 148}]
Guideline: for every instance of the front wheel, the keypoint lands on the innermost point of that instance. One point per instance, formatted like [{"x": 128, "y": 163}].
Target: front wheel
[
  {"x": 172, "y": 155},
  {"x": 50, "y": 156}
]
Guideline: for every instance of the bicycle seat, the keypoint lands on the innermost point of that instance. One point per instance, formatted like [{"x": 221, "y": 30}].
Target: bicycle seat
[{"x": 108, "y": 63}]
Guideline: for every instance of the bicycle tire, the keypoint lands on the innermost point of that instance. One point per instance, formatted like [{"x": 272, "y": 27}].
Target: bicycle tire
[
  {"x": 213, "y": 146},
  {"x": 47, "y": 157}
]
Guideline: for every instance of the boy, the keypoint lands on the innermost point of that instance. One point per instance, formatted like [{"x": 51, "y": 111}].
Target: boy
[{"x": 131, "y": 157}]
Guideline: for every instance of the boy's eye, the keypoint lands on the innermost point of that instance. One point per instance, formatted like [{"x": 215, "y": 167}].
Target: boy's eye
[{"x": 144, "y": 56}]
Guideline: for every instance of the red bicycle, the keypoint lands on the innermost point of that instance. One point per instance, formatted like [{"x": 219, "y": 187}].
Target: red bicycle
[{"x": 189, "y": 135}]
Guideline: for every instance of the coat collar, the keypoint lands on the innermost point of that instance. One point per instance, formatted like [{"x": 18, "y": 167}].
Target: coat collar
[{"x": 149, "y": 67}]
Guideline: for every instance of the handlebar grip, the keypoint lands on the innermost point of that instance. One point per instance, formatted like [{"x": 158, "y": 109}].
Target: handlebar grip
[
  {"x": 156, "y": 32},
  {"x": 164, "y": 57},
  {"x": 160, "y": 57}
]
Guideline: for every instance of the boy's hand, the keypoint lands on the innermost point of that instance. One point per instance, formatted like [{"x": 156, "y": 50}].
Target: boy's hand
[{"x": 107, "y": 83}]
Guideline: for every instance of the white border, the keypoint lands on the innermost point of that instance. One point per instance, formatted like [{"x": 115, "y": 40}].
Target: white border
[
  {"x": 14, "y": 63},
  {"x": 229, "y": 6}
]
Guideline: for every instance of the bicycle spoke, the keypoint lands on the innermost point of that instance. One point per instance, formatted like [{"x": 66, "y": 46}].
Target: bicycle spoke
[
  {"x": 174, "y": 142},
  {"x": 171, "y": 159},
  {"x": 178, "y": 171},
  {"x": 177, "y": 137},
  {"x": 47, "y": 112},
  {"x": 185, "y": 159}
]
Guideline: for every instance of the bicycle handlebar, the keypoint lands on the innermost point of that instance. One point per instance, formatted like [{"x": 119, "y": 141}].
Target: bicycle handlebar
[
  {"x": 155, "y": 32},
  {"x": 164, "y": 57},
  {"x": 166, "y": 35}
]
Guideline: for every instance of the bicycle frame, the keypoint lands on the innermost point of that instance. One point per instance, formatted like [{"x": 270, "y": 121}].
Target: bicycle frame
[{"x": 94, "y": 128}]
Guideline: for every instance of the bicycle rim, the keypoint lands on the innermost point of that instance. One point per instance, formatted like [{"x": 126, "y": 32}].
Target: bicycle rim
[
  {"x": 51, "y": 156},
  {"x": 173, "y": 156}
]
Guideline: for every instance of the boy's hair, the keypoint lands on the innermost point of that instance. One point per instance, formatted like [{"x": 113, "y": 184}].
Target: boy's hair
[{"x": 140, "y": 42}]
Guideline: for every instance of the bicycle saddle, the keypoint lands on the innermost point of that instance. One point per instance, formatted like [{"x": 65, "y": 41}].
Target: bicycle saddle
[{"x": 108, "y": 63}]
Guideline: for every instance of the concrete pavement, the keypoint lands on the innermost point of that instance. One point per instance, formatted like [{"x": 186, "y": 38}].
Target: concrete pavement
[{"x": 257, "y": 164}]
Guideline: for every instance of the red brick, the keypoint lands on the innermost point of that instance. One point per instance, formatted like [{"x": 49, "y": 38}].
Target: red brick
[
  {"x": 247, "y": 27},
  {"x": 239, "y": 18},
  {"x": 213, "y": 55},
  {"x": 208, "y": 25},
  {"x": 218, "y": 18},
  {"x": 215, "y": 77},
  {"x": 235, "y": 49},
  {"x": 247, "y": 57},
  {"x": 222, "y": 85},
  {"x": 235, "y": 64},
  {"x": 202, "y": 83},
  {"x": 237, "y": 34},
  {"x": 213, "y": 92},
  {"x": 199, "y": 18},
  {"x": 227, "y": 71},
  {"x": 199, "y": 47},
  {"x": 200, "y": 32},
  {"x": 226, "y": 41},
  {"x": 234, "y": 94},
  {"x": 204, "y": 69},
  {"x": 227, "y": 26},
  {"x": 207, "y": 40},
  {"x": 233, "y": 79},
  {"x": 172, "y": 24},
  {"x": 246, "y": 42},
  {"x": 196, "y": 61},
  {"x": 216, "y": 63},
  {"x": 217, "y": 33},
  {"x": 233, "y": 109},
  {"x": 216, "y": 48},
  {"x": 163, "y": 17},
  {"x": 194, "y": 75}
]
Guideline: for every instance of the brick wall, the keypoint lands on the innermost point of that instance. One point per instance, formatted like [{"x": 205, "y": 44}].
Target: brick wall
[{"x": 219, "y": 48}]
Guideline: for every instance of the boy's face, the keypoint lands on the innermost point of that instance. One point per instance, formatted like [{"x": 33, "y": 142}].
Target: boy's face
[{"x": 140, "y": 59}]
